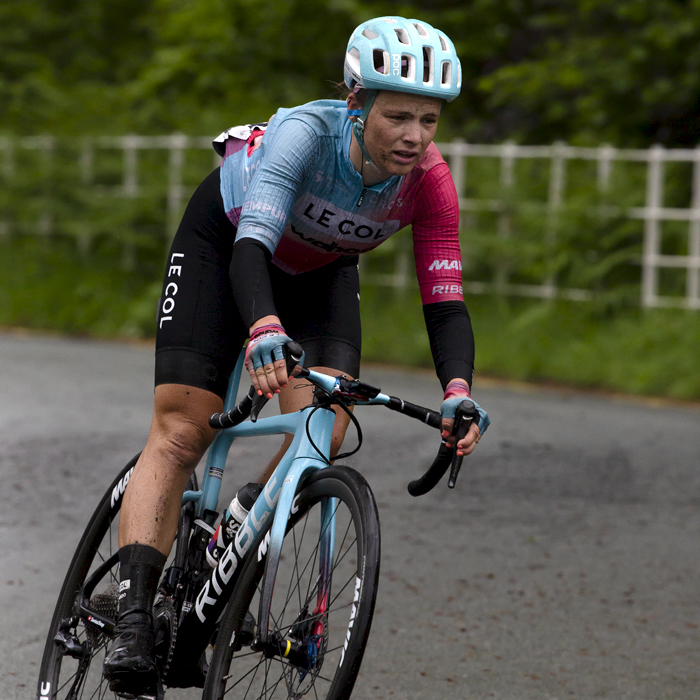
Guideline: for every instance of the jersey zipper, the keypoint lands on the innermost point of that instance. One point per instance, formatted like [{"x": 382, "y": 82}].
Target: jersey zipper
[{"x": 362, "y": 196}]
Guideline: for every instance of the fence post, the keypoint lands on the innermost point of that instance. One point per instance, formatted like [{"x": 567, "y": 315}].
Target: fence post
[
  {"x": 176, "y": 161},
  {"x": 45, "y": 145},
  {"x": 86, "y": 161},
  {"x": 604, "y": 159},
  {"x": 130, "y": 182},
  {"x": 507, "y": 180},
  {"x": 652, "y": 228},
  {"x": 557, "y": 184},
  {"x": 130, "y": 190},
  {"x": 458, "y": 165},
  {"x": 8, "y": 172},
  {"x": 693, "y": 278}
]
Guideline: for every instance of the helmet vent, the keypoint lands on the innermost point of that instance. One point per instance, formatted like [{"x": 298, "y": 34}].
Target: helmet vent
[
  {"x": 443, "y": 43},
  {"x": 428, "y": 65},
  {"x": 402, "y": 36},
  {"x": 381, "y": 61},
  {"x": 352, "y": 60},
  {"x": 422, "y": 31},
  {"x": 408, "y": 67},
  {"x": 370, "y": 34},
  {"x": 446, "y": 79}
]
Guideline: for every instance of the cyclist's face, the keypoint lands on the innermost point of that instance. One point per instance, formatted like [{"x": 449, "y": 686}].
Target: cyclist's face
[{"x": 399, "y": 128}]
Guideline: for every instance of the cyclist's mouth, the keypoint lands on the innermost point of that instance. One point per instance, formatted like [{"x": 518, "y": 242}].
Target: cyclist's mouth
[{"x": 405, "y": 157}]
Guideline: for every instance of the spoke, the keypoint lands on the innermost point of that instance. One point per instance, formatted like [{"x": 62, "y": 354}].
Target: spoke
[
  {"x": 244, "y": 676},
  {"x": 349, "y": 582},
  {"x": 309, "y": 590},
  {"x": 347, "y": 531},
  {"x": 311, "y": 561},
  {"x": 294, "y": 586},
  {"x": 68, "y": 682},
  {"x": 297, "y": 550}
]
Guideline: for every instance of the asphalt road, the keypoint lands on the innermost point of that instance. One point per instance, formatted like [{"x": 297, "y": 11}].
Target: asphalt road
[{"x": 565, "y": 564}]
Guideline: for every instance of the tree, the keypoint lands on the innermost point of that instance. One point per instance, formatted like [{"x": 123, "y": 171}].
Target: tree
[{"x": 585, "y": 71}]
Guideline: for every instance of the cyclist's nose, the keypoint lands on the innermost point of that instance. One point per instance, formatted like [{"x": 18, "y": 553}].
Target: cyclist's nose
[{"x": 412, "y": 133}]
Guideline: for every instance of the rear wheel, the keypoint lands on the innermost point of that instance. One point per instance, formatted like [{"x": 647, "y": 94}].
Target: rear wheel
[
  {"x": 321, "y": 610},
  {"x": 82, "y": 625}
]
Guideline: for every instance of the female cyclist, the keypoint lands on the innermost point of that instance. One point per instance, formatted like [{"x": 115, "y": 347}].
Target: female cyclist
[{"x": 267, "y": 250}]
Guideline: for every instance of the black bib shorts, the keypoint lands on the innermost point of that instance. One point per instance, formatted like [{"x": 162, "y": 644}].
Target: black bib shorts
[{"x": 200, "y": 333}]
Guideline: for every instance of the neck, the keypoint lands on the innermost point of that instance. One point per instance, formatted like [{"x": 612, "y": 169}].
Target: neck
[{"x": 371, "y": 174}]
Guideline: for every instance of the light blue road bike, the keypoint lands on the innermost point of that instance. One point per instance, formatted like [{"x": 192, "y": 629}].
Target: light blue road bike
[{"x": 287, "y": 611}]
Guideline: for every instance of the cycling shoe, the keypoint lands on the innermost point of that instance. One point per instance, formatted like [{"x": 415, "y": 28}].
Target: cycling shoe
[{"x": 129, "y": 666}]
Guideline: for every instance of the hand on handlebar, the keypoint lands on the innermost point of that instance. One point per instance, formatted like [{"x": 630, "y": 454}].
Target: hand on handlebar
[
  {"x": 264, "y": 359},
  {"x": 458, "y": 391}
]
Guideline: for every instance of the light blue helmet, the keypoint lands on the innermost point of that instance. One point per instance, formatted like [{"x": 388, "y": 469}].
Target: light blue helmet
[{"x": 406, "y": 55}]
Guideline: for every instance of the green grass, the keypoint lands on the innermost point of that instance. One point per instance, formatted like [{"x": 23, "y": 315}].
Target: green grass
[
  {"x": 652, "y": 352},
  {"x": 47, "y": 286}
]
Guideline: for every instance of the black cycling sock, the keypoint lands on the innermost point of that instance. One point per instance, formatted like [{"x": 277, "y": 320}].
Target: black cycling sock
[{"x": 140, "y": 567}]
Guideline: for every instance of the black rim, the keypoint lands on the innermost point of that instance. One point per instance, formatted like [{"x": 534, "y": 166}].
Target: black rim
[{"x": 316, "y": 639}]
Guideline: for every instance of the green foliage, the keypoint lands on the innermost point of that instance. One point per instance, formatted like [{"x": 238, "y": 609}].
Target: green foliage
[
  {"x": 645, "y": 352},
  {"x": 588, "y": 71},
  {"x": 45, "y": 285},
  {"x": 586, "y": 247},
  {"x": 622, "y": 71}
]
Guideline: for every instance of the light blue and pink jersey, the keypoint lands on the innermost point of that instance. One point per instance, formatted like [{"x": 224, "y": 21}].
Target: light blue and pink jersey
[{"x": 296, "y": 191}]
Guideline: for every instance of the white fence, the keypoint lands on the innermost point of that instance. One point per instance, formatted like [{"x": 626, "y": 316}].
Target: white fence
[
  {"x": 653, "y": 213},
  {"x": 558, "y": 157}
]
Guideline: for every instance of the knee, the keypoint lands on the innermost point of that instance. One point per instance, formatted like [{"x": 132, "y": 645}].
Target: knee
[{"x": 180, "y": 441}]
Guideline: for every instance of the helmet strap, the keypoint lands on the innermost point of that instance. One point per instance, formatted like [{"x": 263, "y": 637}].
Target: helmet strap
[{"x": 358, "y": 127}]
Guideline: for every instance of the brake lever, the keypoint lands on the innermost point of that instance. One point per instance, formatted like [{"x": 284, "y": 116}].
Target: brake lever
[{"x": 466, "y": 413}]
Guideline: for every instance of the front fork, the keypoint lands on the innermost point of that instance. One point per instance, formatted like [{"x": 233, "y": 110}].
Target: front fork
[{"x": 304, "y": 643}]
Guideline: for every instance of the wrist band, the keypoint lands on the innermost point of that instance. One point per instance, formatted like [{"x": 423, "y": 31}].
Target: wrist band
[
  {"x": 455, "y": 389},
  {"x": 269, "y": 329}
]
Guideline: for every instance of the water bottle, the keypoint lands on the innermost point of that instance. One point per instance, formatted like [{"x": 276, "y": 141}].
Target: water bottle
[{"x": 230, "y": 522}]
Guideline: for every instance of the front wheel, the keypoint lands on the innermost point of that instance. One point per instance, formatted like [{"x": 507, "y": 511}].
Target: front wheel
[{"x": 322, "y": 602}]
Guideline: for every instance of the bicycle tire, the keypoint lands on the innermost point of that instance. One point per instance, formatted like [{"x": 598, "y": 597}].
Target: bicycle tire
[
  {"x": 346, "y": 622},
  {"x": 62, "y": 675}
]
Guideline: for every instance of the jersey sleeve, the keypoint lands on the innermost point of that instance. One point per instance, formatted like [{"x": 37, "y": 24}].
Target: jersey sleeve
[
  {"x": 436, "y": 237},
  {"x": 439, "y": 268},
  {"x": 278, "y": 176}
]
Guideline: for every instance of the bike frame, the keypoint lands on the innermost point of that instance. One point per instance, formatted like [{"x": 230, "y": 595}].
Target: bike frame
[{"x": 307, "y": 453}]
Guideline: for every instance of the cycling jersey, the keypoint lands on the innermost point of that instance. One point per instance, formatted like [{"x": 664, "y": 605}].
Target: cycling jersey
[{"x": 297, "y": 192}]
